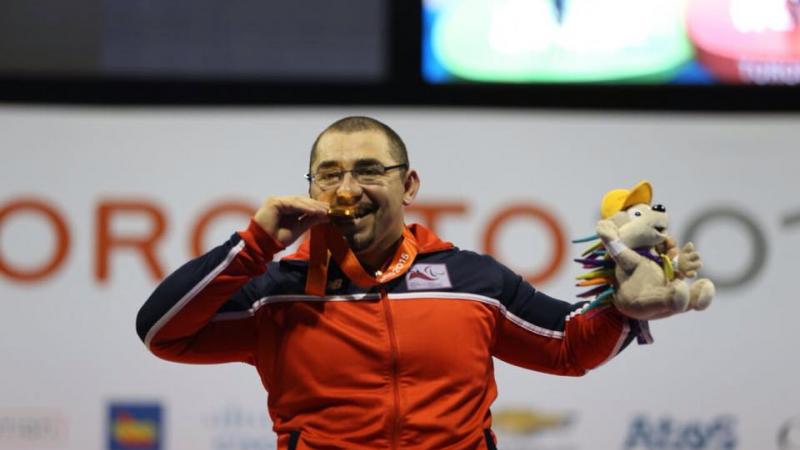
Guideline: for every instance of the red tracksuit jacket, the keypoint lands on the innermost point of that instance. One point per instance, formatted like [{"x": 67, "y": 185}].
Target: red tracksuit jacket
[{"x": 404, "y": 365}]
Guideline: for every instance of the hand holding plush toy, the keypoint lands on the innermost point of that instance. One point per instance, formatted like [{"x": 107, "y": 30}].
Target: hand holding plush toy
[{"x": 638, "y": 265}]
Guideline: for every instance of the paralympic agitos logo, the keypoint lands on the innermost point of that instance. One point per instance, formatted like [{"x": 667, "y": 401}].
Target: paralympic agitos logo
[
  {"x": 427, "y": 274},
  {"x": 749, "y": 229}
]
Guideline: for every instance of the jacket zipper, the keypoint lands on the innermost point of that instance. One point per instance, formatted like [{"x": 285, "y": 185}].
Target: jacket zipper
[{"x": 393, "y": 366}]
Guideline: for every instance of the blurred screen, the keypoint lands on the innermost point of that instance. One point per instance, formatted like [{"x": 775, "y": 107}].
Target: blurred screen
[
  {"x": 312, "y": 40},
  {"x": 612, "y": 41}
]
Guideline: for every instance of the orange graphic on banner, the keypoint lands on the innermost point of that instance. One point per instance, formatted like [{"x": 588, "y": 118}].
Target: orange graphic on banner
[
  {"x": 133, "y": 432},
  {"x": 145, "y": 245},
  {"x": 61, "y": 234},
  {"x": 232, "y": 207},
  {"x": 550, "y": 222}
]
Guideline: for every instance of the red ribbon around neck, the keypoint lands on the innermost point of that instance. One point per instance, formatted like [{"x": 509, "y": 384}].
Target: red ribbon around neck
[{"x": 325, "y": 242}]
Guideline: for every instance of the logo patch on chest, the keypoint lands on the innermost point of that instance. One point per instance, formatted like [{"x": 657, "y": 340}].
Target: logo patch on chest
[{"x": 428, "y": 276}]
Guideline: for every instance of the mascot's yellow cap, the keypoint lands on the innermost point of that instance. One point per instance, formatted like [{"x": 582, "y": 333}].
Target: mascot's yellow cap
[{"x": 620, "y": 199}]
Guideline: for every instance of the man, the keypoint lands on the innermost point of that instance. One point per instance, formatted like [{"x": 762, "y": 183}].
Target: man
[{"x": 374, "y": 335}]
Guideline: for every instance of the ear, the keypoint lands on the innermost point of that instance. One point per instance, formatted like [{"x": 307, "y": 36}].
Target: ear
[{"x": 410, "y": 187}]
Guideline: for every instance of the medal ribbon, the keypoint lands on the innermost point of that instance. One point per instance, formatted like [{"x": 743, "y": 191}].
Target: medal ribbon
[{"x": 325, "y": 242}]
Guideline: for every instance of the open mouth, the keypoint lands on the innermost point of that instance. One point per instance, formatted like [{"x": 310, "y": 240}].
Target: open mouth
[{"x": 661, "y": 229}]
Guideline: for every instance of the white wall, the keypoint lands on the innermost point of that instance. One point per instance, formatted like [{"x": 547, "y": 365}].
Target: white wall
[{"x": 721, "y": 379}]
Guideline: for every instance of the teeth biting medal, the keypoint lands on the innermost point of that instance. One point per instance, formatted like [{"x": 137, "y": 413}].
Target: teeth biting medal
[
  {"x": 342, "y": 211},
  {"x": 342, "y": 205}
]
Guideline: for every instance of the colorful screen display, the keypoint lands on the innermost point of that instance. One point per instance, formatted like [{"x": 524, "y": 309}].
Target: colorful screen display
[{"x": 612, "y": 41}]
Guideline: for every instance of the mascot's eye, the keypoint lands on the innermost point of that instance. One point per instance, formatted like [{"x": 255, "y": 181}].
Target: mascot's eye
[{"x": 633, "y": 213}]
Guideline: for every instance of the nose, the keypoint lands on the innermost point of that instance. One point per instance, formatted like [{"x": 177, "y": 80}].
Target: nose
[{"x": 349, "y": 191}]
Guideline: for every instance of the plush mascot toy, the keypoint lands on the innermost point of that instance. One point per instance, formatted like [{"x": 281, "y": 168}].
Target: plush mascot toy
[{"x": 636, "y": 265}]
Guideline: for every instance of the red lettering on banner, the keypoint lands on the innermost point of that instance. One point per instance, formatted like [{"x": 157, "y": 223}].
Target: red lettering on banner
[
  {"x": 145, "y": 244},
  {"x": 106, "y": 241},
  {"x": 550, "y": 222},
  {"x": 430, "y": 212},
  {"x": 219, "y": 209},
  {"x": 62, "y": 240}
]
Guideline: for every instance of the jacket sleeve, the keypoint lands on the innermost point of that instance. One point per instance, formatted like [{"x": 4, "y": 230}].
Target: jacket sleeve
[
  {"x": 201, "y": 313},
  {"x": 541, "y": 333}
]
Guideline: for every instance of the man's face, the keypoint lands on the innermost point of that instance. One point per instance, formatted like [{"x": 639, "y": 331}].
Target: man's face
[{"x": 378, "y": 221}]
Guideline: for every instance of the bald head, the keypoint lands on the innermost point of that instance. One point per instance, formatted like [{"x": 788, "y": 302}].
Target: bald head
[{"x": 353, "y": 124}]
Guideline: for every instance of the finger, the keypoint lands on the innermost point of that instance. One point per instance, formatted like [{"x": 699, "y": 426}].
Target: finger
[
  {"x": 316, "y": 203},
  {"x": 309, "y": 220},
  {"x": 302, "y": 205},
  {"x": 303, "y": 223},
  {"x": 310, "y": 202},
  {"x": 693, "y": 257},
  {"x": 688, "y": 248},
  {"x": 693, "y": 266},
  {"x": 691, "y": 273}
]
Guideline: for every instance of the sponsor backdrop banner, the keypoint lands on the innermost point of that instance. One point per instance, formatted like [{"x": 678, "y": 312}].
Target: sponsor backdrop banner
[{"x": 97, "y": 204}]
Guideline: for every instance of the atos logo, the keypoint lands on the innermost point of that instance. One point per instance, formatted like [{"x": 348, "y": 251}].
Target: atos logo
[
  {"x": 135, "y": 426},
  {"x": 668, "y": 433}
]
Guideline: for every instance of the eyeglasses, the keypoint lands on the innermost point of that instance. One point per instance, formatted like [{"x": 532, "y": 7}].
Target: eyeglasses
[{"x": 365, "y": 174}]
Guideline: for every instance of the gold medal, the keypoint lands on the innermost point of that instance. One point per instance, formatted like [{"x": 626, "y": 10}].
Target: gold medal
[{"x": 342, "y": 211}]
